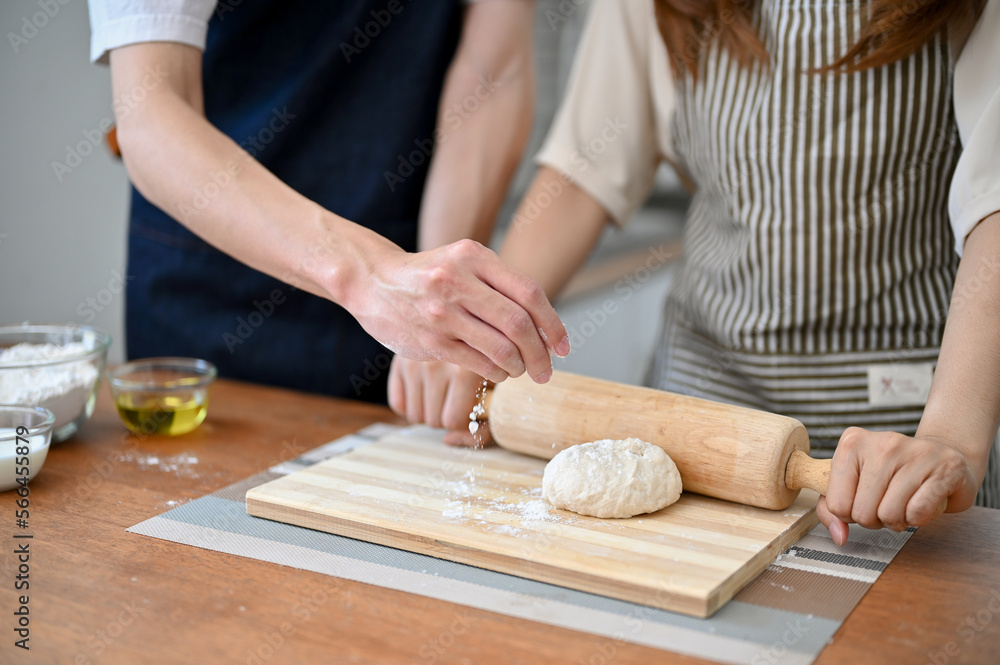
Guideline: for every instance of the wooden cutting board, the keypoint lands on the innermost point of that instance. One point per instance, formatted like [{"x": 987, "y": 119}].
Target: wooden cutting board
[{"x": 485, "y": 508}]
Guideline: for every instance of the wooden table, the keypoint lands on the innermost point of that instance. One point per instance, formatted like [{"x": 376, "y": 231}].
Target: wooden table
[{"x": 101, "y": 595}]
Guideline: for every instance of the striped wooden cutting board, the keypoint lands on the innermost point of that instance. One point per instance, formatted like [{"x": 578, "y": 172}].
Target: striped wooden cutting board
[{"x": 485, "y": 508}]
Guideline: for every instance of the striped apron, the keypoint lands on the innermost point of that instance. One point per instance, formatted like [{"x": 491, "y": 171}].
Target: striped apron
[{"x": 819, "y": 259}]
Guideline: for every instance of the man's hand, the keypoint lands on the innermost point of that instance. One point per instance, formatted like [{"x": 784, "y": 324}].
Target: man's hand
[
  {"x": 461, "y": 304},
  {"x": 440, "y": 395},
  {"x": 892, "y": 480},
  {"x": 458, "y": 303}
]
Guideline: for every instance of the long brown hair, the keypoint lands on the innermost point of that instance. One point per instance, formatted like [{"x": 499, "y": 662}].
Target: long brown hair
[{"x": 893, "y": 31}]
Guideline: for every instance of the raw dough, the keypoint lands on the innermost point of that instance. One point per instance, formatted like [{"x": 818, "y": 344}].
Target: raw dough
[{"x": 610, "y": 478}]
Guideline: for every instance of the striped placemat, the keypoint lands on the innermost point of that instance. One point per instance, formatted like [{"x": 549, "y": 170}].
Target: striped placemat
[{"x": 785, "y": 616}]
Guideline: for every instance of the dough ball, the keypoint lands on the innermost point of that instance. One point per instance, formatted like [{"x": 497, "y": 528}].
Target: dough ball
[{"x": 611, "y": 478}]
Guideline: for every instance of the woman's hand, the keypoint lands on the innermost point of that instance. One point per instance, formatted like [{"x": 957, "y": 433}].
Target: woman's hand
[
  {"x": 459, "y": 303},
  {"x": 440, "y": 395},
  {"x": 892, "y": 480}
]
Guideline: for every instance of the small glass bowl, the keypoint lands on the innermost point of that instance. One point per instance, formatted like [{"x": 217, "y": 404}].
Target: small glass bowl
[
  {"x": 66, "y": 386},
  {"x": 36, "y": 436},
  {"x": 162, "y": 395}
]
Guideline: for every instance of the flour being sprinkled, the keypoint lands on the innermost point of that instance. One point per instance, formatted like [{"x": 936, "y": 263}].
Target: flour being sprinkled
[{"x": 478, "y": 410}]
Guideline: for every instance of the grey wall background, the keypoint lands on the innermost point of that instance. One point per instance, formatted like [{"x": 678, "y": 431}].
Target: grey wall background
[
  {"x": 62, "y": 241},
  {"x": 62, "y": 235}
]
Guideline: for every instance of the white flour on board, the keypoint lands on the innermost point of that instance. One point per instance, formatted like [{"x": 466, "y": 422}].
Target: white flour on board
[{"x": 527, "y": 508}]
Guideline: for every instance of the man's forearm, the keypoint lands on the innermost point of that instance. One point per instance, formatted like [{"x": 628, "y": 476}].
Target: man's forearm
[
  {"x": 458, "y": 303},
  {"x": 484, "y": 121},
  {"x": 964, "y": 403},
  {"x": 202, "y": 178}
]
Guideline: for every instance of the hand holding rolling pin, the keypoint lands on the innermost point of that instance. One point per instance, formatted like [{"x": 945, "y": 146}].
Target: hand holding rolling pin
[{"x": 885, "y": 479}]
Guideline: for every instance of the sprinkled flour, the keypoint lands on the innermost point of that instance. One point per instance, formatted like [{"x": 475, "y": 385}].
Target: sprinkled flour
[
  {"x": 478, "y": 410},
  {"x": 62, "y": 388},
  {"x": 466, "y": 505},
  {"x": 183, "y": 464}
]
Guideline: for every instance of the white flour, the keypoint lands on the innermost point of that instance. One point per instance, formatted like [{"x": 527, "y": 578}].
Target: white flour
[
  {"x": 61, "y": 389},
  {"x": 183, "y": 465},
  {"x": 478, "y": 410},
  {"x": 528, "y": 509}
]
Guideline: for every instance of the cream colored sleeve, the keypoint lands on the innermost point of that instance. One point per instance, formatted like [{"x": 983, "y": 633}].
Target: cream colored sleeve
[
  {"x": 975, "y": 187},
  {"x": 605, "y": 135}
]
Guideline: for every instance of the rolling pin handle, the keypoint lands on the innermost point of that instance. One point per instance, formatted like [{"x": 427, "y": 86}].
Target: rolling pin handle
[{"x": 805, "y": 472}]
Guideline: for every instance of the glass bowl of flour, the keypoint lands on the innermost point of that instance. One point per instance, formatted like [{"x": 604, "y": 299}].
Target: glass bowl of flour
[
  {"x": 58, "y": 368},
  {"x": 25, "y": 433}
]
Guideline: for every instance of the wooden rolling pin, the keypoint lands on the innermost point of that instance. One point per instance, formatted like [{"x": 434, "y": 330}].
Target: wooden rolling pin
[{"x": 730, "y": 452}]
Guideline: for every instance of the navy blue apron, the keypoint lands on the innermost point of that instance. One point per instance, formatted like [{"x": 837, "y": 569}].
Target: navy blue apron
[{"x": 329, "y": 97}]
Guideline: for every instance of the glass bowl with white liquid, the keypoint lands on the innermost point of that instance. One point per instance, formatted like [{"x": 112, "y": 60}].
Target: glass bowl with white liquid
[{"x": 25, "y": 434}]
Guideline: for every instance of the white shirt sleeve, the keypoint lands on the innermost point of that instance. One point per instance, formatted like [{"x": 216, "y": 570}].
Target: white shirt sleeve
[
  {"x": 975, "y": 187},
  {"x": 115, "y": 23},
  {"x": 612, "y": 128}
]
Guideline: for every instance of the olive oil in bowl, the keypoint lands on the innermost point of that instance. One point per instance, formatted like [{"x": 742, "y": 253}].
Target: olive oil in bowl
[
  {"x": 166, "y": 414},
  {"x": 162, "y": 395}
]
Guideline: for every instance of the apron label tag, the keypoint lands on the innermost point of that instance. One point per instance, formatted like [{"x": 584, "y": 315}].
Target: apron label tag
[{"x": 899, "y": 384}]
